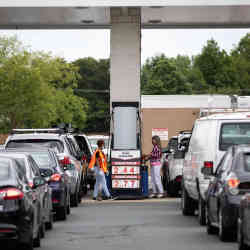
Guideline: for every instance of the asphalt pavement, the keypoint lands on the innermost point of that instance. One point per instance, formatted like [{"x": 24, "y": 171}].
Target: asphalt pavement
[{"x": 140, "y": 225}]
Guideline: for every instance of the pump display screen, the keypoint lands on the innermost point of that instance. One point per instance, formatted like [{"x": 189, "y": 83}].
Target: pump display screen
[
  {"x": 126, "y": 184},
  {"x": 125, "y": 170}
]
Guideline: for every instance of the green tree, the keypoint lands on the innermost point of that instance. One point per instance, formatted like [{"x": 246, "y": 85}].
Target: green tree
[
  {"x": 215, "y": 65},
  {"x": 161, "y": 76},
  {"x": 37, "y": 90},
  {"x": 92, "y": 84}
]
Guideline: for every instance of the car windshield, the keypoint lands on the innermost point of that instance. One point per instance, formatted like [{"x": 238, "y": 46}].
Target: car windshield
[
  {"x": 42, "y": 158},
  {"x": 173, "y": 144},
  {"x": 56, "y": 145},
  {"x": 234, "y": 134},
  {"x": 4, "y": 170}
]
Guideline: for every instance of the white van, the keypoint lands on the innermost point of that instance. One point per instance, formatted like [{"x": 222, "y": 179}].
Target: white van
[{"x": 211, "y": 137}]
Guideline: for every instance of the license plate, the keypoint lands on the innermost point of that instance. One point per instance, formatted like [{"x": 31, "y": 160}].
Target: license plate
[
  {"x": 125, "y": 170},
  {"x": 126, "y": 184}
]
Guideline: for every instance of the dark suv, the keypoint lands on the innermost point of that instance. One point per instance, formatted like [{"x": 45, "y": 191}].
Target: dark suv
[
  {"x": 19, "y": 207},
  {"x": 228, "y": 185}
]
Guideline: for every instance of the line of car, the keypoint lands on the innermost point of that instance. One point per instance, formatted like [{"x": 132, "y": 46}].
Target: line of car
[
  {"x": 215, "y": 178},
  {"x": 43, "y": 173}
]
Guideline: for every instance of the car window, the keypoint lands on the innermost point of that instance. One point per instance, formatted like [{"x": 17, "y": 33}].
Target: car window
[
  {"x": 56, "y": 145},
  {"x": 58, "y": 166},
  {"x": 4, "y": 170},
  {"x": 73, "y": 145},
  {"x": 173, "y": 144},
  {"x": 225, "y": 164},
  {"x": 247, "y": 162},
  {"x": 42, "y": 158},
  {"x": 19, "y": 170},
  {"x": 83, "y": 145},
  {"x": 34, "y": 167},
  {"x": 70, "y": 148},
  {"x": 21, "y": 165},
  {"x": 234, "y": 134}
]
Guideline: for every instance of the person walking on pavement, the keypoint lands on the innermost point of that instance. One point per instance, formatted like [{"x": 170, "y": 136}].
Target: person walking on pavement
[
  {"x": 155, "y": 168},
  {"x": 99, "y": 163}
]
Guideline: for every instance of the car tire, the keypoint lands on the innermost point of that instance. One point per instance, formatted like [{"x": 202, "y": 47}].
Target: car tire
[
  {"x": 187, "y": 204},
  {"x": 49, "y": 225},
  {"x": 74, "y": 199},
  {"x": 210, "y": 229},
  {"x": 61, "y": 213},
  {"x": 202, "y": 211},
  {"x": 68, "y": 206},
  {"x": 224, "y": 233},
  {"x": 241, "y": 243},
  {"x": 42, "y": 230},
  {"x": 29, "y": 245},
  {"x": 37, "y": 240}
]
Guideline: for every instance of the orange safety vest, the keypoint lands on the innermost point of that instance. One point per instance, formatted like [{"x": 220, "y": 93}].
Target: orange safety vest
[{"x": 102, "y": 160}]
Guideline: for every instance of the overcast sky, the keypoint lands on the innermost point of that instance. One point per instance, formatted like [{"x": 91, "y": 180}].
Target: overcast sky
[{"x": 74, "y": 44}]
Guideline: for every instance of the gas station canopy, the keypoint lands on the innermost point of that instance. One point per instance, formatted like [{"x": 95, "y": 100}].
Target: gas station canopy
[{"x": 83, "y": 14}]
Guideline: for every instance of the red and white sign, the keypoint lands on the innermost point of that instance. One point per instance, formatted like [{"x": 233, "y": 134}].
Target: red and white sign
[
  {"x": 137, "y": 177},
  {"x": 126, "y": 184},
  {"x": 125, "y": 170},
  {"x": 161, "y": 132},
  {"x": 122, "y": 163}
]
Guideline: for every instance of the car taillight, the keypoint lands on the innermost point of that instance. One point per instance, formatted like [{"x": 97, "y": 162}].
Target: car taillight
[
  {"x": 65, "y": 161},
  {"x": 55, "y": 177},
  {"x": 11, "y": 194},
  {"x": 84, "y": 158},
  {"x": 208, "y": 164},
  {"x": 31, "y": 185},
  {"x": 178, "y": 179},
  {"x": 233, "y": 184}
]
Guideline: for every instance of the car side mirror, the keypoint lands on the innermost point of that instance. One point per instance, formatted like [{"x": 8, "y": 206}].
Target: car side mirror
[
  {"x": 208, "y": 169},
  {"x": 46, "y": 173},
  {"x": 38, "y": 181}
]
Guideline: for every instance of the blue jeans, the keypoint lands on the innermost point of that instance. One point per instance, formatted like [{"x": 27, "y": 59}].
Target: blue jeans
[{"x": 100, "y": 183}]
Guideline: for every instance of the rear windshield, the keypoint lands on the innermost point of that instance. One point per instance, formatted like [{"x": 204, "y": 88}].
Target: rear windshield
[
  {"x": 4, "y": 170},
  {"x": 56, "y": 145},
  {"x": 234, "y": 134},
  {"x": 43, "y": 158},
  {"x": 247, "y": 162},
  {"x": 173, "y": 144}
]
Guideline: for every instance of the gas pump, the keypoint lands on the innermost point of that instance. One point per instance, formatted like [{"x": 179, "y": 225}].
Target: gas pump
[{"x": 128, "y": 174}]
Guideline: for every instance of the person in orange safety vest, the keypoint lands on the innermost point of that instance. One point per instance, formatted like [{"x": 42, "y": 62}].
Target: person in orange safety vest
[{"x": 99, "y": 164}]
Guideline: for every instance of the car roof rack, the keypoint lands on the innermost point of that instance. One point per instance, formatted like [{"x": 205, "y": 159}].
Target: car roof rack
[
  {"x": 37, "y": 131},
  {"x": 185, "y": 132}
]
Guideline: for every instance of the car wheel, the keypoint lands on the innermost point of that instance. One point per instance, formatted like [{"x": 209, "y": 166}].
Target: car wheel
[
  {"x": 37, "y": 240},
  {"x": 61, "y": 213},
  {"x": 29, "y": 245},
  {"x": 74, "y": 199},
  {"x": 210, "y": 229},
  {"x": 223, "y": 231},
  {"x": 202, "y": 212},
  {"x": 49, "y": 225},
  {"x": 187, "y": 204},
  {"x": 241, "y": 243},
  {"x": 42, "y": 230},
  {"x": 68, "y": 206}
]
